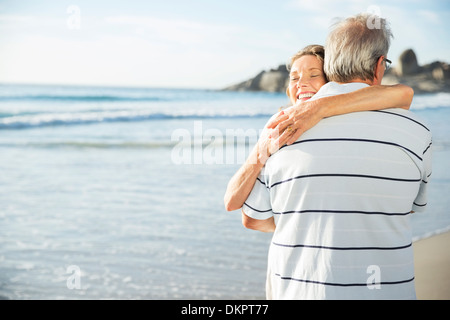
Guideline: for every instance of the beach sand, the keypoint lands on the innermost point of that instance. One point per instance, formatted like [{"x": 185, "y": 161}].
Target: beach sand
[{"x": 432, "y": 267}]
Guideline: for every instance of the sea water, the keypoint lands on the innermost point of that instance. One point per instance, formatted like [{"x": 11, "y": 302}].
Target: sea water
[{"x": 117, "y": 193}]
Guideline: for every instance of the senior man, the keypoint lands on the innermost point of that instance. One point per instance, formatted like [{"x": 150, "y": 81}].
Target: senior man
[{"x": 341, "y": 196}]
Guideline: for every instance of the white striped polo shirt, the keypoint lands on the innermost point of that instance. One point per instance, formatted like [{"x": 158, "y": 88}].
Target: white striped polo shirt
[{"x": 341, "y": 197}]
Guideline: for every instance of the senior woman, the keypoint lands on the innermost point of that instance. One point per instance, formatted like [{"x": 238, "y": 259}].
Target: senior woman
[{"x": 306, "y": 78}]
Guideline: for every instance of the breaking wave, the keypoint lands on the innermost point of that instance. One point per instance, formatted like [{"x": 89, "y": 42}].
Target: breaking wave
[{"x": 80, "y": 118}]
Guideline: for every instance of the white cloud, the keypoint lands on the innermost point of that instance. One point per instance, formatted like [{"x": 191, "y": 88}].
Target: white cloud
[
  {"x": 181, "y": 31},
  {"x": 11, "y": 18},
  {"x": 21, "y": 22},
  {"x": 321, "y": 14},
  {"x": 429, "y": 16},
  {"x": 331, "y": 7}
]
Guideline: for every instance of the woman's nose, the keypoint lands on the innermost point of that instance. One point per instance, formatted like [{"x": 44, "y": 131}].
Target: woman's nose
[{"x": 301, "y": 82}]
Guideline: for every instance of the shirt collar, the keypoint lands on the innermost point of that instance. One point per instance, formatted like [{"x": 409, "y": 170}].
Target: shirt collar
[{"x": 334, "y": 88}]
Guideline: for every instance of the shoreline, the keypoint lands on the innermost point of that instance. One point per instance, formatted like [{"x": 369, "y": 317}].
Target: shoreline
[
  {"x": 431, "y": 234},
  {"x": 432, "y": 266}
]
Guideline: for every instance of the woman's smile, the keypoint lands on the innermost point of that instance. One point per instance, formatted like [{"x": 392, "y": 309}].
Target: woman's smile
[{"x": 303, "y": 96}]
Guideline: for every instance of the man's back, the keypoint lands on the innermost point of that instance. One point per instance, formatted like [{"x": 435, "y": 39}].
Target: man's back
[{"x": 341, "y": 197}]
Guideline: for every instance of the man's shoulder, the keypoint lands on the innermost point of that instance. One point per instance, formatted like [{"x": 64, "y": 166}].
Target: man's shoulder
[
  {"x": 400, "y": 116},
  {"x": 380, "y": 124},
  {"x": 401, "y": 112}
]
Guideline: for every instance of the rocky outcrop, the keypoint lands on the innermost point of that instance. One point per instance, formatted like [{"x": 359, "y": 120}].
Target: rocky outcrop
[
  {"x": 274, "y": 80},
  {"x": 433, "y": 77},
  {"x": 407, "y": 63}
]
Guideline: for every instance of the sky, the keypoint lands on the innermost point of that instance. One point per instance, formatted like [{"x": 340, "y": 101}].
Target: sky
[{"x": 190, "y": 44}]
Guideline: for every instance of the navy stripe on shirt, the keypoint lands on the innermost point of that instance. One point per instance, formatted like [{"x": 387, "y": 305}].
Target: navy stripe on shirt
[
  {"x": 344, "y": 175},
  {"x": 420, "y": 205},
  {"x": 257, "y": 209},
  {"x": 346, "y": 211},
  {"x": 344, "y": 284},
  {"x": 427, "y": 148},
  {"x": 355, "y": 140},
  {"x": 403, "y": 116},
  {"x": 340, "y": 248}
]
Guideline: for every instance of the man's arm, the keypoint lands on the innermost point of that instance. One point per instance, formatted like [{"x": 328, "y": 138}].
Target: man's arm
[
  {"x": 305, "y": 115},
  {"x": 266, "y": 225}
]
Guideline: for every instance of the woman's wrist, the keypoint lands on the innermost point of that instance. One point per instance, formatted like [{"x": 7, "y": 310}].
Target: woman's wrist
[
  {"x": 321, "y": 107},
  {"x": 262, "y": 154}
]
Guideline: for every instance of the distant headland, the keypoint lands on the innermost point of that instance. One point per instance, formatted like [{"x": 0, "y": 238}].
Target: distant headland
[{"x": 429, "y": 78}]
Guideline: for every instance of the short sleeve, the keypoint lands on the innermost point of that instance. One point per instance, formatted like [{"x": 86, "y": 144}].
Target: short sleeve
[
  {"x": 421, "y": 200},
  {"x": 258, "y": 205}
]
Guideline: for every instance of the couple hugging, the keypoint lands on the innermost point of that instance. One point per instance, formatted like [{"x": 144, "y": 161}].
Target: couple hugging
[{"x": 336, "y": 176}]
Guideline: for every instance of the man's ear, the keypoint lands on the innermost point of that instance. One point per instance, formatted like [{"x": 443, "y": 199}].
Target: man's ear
[{"x": 379, "y": 71}]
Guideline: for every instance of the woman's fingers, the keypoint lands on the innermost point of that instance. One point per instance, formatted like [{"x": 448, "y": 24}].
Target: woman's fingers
[
  {"x": 284, "y": 136},
  {"x": 275, "y": 121},
  {"x": 295, "y": 135},
  {"x": 280, "y": 128},
  {"x": 288, "y": 125},
  {"x": 285, "y": 125}
]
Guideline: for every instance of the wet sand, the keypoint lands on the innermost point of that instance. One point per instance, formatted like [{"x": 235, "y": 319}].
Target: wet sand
[{"x": 432, "y": 267}]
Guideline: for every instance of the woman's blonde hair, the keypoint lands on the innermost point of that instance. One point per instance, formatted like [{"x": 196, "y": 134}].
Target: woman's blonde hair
[{"x": 311, "y": 50}]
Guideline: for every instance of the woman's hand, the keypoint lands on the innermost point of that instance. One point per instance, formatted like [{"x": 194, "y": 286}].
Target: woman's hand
[{"x": 290, "y": 124}]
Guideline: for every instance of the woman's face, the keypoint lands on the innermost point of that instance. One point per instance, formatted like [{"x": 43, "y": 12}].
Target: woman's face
[{"x": 306, "y": 78}]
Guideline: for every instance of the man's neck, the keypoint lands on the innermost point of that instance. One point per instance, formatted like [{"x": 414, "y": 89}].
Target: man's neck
[{"x": 369, "y": 82}]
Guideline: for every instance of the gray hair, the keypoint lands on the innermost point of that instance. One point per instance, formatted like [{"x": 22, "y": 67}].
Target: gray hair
[{"x": 354, "y": 46}]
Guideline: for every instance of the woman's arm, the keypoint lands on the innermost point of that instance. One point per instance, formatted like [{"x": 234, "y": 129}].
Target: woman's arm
[
  {"x": 241, "y": 184},
  {"x": 267, "y": 225},
  {"x": 304, "y": 116}
]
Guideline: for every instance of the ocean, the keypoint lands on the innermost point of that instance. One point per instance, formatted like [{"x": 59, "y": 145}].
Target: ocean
[{"x": 117, "y": 193}]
